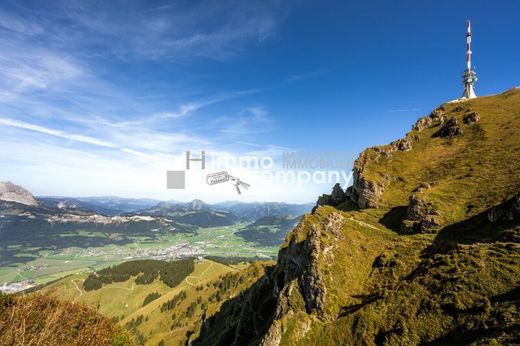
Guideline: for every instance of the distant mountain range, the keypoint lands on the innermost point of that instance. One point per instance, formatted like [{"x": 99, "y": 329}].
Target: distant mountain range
[
  {"x": 116, "y": 206},
  {"x": 54, "y": 222},
  {"x": 256, "y": 210},
  {"x": 104, "y": 205},
  {"x": 201, "y": 214}
]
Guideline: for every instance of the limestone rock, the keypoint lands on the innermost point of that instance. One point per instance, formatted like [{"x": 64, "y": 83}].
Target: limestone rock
[
  {"x": 421, "y": 215},
  {"x": 10, "y": 192},
  {"x": 402, "y": 145},
  {"x": 367, "y": 193},
  {"x": 364, "y": 192},
  {"x": 337, "y": 197},
  {"x": 471, "y": 118},
  {"x": 272, "y": 337},
  {"x": 435, "y": 117},
  {"x": 422, "y": 186},
  {"x": 449, "y": 129}
]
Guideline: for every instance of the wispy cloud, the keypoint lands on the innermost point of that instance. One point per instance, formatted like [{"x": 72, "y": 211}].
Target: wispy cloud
[
  {"x": 55, "y": 133},
  {"x": 214, "y": 30},
  {"x": 254, "y": 120},
  {"x": 72, "y": 107}
]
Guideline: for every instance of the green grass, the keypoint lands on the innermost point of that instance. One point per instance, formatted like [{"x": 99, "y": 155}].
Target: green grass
[{"x": 478, "y": 166}]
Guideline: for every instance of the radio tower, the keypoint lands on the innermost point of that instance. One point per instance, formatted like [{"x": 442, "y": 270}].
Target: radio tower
[{"x": 470, "y": 77}]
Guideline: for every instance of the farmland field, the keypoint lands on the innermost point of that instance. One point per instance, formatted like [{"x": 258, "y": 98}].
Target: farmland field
[{"x": 45, "y": 265}]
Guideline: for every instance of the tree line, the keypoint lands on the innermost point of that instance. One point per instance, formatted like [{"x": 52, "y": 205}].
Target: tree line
[{"x": 145, "y": 271}]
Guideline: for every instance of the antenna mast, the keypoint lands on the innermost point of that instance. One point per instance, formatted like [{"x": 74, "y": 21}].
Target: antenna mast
[{"x": 470, "y": 77}]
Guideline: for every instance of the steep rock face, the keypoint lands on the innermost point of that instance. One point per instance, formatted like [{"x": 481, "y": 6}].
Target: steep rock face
[
  {"x": 10, "y": 192},
  {"x": 299, "y": 262},
  {"x": 366, "y": 193},
  {"x": 296, "y": 285}
]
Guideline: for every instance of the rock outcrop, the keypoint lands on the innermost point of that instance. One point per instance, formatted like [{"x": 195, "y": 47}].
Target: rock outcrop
[
  {"x": 298, "y": 262},
  {"x": 402, "y": 144},
  {"x": 450, "y": 129},
  {"x": 471, "y": 118},
  {"x": 337, "y": 197},
  {"x": 10, "y": 192},
  {"x": 434, "y": 118},
  {"x": 364, "y": 192},
  {"x": 421, "y": 215}
]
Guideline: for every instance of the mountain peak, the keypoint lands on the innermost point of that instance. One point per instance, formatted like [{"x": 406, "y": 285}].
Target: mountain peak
[
  {"x": 196, "y": 204},
  {"x": 10, "y": 192}
]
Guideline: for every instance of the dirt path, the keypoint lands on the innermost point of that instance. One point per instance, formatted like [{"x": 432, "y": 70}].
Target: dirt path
[
  {"x": 364, "y": 224},
  {"x": 198, "y": 277},
  {"x": 77, "y": 287}
]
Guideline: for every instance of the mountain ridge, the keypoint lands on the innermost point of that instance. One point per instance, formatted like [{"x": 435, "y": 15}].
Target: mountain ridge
[{"x": 422, "y": 249}]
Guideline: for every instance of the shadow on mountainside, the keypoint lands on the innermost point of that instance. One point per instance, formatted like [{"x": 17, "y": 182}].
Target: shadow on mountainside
[
  {"x": 243, "y": 319},
  {"x": 393, "y": 218},
  {"x": 499, "y": 224}
]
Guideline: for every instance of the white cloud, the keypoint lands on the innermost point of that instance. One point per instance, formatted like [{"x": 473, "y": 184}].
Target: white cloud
[{"x": 67, "y": 129}]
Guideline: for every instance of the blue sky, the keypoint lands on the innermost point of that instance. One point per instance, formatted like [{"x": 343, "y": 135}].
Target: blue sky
[{"x": 102, "y": 97}]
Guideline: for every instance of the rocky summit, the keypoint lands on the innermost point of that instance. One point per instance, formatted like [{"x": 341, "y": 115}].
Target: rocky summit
[
  {"x": 10, "y": 192},
  {"x": 424, "y": 248}
]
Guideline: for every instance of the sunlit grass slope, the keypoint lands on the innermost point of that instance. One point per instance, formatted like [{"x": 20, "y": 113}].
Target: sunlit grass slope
[{"x": 42, "y": 320}]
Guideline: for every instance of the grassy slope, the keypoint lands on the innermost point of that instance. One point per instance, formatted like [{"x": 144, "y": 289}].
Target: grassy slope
[
  {"x": 157, "y": 326},
  {"x": 130, "y": 296},
  {"x": 176, "y": 326},
  {"x": 439, "y": 283},
  {"x": 42, "y": 320},
  {"x": 124, "y": 300},
  {"x": 479, "y": 167}
]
